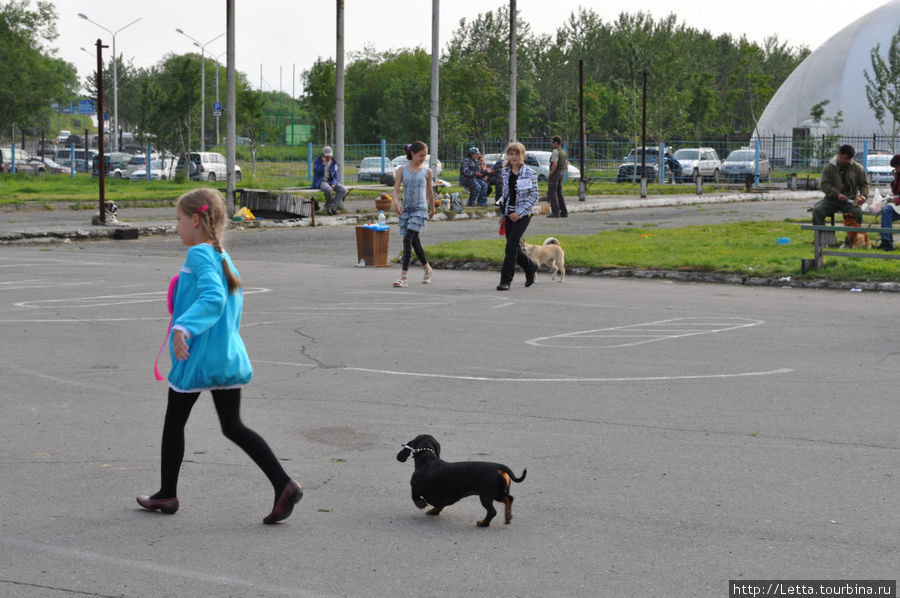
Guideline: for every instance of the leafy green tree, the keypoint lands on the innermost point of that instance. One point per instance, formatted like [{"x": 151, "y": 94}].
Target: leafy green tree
[
  {"x": 320, "y": 96},
  {"x": 883, "y": 85},
  {"x": 31, "y": 77},
  {"x": 251, "y": 105}
]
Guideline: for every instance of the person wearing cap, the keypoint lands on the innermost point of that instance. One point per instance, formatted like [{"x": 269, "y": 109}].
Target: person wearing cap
[
  {"x": 326, "y": 179},
  {"x": 845, "y": 186},
  {"x": 472, "y": 178}
]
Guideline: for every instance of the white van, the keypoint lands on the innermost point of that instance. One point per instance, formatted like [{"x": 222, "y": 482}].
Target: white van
[
  {"x": 208, "y": 166},
  {"x": 82, "y": 163}
]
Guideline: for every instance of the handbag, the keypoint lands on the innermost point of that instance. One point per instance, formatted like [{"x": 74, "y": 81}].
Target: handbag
[{"x": 170, "y": 304}]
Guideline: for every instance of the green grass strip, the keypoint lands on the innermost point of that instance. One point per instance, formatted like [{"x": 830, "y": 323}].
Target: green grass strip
[{"x": 744, "y": 248}]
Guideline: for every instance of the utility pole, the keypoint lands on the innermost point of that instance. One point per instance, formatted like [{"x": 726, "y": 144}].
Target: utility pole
[
  {"x": 581, "y": 140},
  {"x": 100, "y": 156},
  {"x": 512, "y": 70},
  {"x": 435, "y": 81},
  {"x": 230, "y": 122},
  {"x": 339, "y": 94}
]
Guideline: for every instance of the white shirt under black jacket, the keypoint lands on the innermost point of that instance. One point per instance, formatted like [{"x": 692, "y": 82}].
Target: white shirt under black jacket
[{"x": 520, "y": 200}]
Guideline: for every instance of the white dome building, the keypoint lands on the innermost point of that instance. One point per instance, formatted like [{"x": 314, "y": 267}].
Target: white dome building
[{"x": 834, "y": 72}]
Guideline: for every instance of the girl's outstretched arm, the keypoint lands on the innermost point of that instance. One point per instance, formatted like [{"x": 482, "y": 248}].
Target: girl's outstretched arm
[
  {"x": 398, "y": 178},
  {"x": 429, "y": 194}
]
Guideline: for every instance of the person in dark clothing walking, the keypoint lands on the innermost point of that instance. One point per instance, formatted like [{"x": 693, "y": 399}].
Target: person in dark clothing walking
[
  {"x": 559, "y": 164},
  {"x": 520, "y": 193}
]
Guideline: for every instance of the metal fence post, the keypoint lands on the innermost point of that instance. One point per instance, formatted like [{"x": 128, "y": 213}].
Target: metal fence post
[
  {"x": 756, "y": 164},
  {"x": 309, "y": 172},
  {"x": 662, "y": 163}
]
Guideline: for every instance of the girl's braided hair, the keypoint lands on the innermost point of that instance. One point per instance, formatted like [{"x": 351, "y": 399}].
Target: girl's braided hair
[{"x": 209, "y": 205}]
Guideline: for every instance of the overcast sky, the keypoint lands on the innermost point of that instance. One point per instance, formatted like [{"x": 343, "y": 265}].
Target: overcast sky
[{"x": 276, "y": 36}]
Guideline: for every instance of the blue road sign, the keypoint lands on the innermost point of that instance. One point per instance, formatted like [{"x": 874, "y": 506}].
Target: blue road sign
[
  {"x": 86, "y": 107},
  {"x": 217, "y": 108}
]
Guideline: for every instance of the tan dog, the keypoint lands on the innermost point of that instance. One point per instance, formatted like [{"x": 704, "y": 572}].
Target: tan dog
[
  {"x": 549, "y": 254},
  {"x": 856, "y": 240}
]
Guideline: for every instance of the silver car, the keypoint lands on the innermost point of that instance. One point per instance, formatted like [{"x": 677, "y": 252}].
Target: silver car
[
  {"x": 402, "y": 159},
  {"x": 370, "y": 169},
  {"x": 159, "y": 170},
  {"x": 699, "y": 162},
  {"x": 742, "y": 162},
  {"x": 879, "y": 168}
]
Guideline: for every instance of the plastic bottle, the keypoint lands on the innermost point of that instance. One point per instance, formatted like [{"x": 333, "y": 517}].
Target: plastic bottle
[{"x": 381, "y": 219}]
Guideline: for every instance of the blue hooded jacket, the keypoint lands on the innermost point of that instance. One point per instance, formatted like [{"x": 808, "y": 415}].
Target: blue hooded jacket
[
  {"x": 211, "y": 316},
  {"x": 319, "y": 172}
]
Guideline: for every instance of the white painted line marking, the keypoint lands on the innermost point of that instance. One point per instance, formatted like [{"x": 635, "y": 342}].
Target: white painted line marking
[
  {"x": 107, "y": 300},
  {"x": 650, "y": 332},
  {"x": 163, "y": 570}
]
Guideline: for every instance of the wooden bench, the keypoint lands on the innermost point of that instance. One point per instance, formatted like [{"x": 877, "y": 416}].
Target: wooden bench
[{"x": 822, "y": 235}]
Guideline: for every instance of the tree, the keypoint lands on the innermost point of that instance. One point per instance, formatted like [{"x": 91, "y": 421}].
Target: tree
[
  {"x": 883, "y": 86},
  {"x": 31, "y": 78},
  {"x": 320, "y": 96},
  {"x": 250, "y": 106},
  {"x": 829, "y": 145}
]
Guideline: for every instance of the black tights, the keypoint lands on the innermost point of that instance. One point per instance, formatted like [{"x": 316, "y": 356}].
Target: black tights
[
  {"x": 228, "y": 406},
  {"x": 411, "y": 242}
]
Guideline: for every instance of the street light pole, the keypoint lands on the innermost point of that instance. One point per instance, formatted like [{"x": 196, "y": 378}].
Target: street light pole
[
  {"x": 115, "y": 118},
  {"x": 202, "y": 83},
  {"x": 218, "y": 139}
]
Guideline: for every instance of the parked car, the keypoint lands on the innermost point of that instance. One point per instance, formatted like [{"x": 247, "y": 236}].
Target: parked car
[
  {"x": 139, "y": 161},
  {"x": 82, "y": 164},
  {"x": 631, "y": 166},
  {"x": 370, "y": 169},
  {"x": 699, "y": 162},
  {"x": 540, "y": 162},
  {"x": 24, "y": 162},
  {"x": 401, "y": 160},
  {"x": 879, "y": 168},
  {"x": 159, "y": 170},
  {"x": 54, "y": 167},
  {"x": 63, "y": 136},
  {"x": 116, "y": 165},
  {"x": 742, "y": 162},
  {"x": 208, "y": 166}
]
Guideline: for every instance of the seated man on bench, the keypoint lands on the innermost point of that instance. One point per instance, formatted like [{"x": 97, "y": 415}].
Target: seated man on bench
[
  {"x": 845, "y": 185},
  {"x": 326, "y": 178},
  {"x": 472, "y": 178}
]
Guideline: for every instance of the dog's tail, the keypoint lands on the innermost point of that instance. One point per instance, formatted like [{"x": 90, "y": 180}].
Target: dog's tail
[
  {"x": 551, "y": 241},
  {"x": 513, "y": 477}
]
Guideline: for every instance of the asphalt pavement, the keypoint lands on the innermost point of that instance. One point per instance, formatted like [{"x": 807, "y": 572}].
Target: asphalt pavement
[{"x": 676, "y": 436}]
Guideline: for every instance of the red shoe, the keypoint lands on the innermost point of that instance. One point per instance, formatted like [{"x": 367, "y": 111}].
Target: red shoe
[
  {"x": 165, "y": 505},
  {"x": 290, "y": 496}
]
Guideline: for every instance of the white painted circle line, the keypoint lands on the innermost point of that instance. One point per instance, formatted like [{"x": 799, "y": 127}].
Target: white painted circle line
[{"x": 557, "y": 380}]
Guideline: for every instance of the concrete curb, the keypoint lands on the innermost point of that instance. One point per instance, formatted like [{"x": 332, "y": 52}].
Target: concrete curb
[{"x": 701, "y": 277}]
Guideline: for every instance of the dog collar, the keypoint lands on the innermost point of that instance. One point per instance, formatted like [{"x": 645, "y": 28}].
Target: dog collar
[{"x": 418, "y": 450}]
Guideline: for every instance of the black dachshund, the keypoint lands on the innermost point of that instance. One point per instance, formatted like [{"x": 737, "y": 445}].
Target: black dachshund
[{"x": 438, "y": 483}]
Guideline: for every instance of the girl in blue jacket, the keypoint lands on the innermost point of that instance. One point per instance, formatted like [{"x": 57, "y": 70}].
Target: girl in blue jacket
[{"x": 208, "y": 354}]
